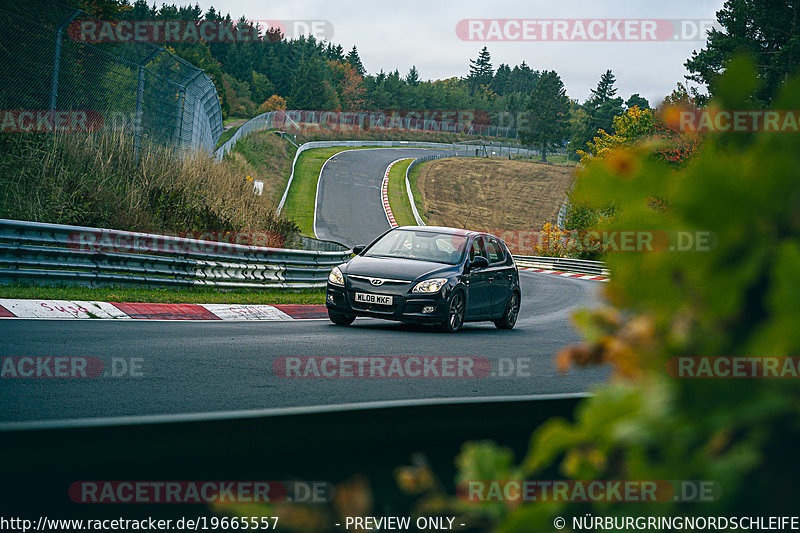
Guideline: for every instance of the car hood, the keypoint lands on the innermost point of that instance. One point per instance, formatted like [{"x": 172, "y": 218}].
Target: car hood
[{"x": 395, "y": 268}]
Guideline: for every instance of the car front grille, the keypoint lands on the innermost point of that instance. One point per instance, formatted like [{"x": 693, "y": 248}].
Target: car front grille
[{"x": 391, "y": 287}]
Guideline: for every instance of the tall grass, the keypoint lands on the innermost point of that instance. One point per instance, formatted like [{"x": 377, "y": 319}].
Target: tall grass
[{"x": 95, "y": 180}]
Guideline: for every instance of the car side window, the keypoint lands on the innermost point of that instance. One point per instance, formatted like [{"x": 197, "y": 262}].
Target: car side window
[
  {"x": 495, "y": 251},
  {"x": 476, "y": 248}
]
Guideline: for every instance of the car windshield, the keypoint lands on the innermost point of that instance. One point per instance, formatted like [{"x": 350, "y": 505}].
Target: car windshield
[{"x": 422, "y": 245}]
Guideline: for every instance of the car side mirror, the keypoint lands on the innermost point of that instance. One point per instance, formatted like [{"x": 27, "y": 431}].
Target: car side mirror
[
  {"x": 358, "y": 249},
  {"x": 479, "y": 262}
]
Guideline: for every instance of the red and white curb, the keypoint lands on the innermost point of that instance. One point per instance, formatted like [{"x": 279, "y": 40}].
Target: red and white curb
[
  {"x": 385, "y": 193},
  {"x": 77, "y": 309},
  {"x": 566, "y": 274}
]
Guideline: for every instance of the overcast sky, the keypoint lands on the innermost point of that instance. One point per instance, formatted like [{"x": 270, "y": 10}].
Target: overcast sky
[{"x": 402, "y": 33}]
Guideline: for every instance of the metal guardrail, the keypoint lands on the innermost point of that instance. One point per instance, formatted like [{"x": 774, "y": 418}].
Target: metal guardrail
[
  {"x": 579, "y": 266},
  {"x": 47, "y": 253},
  {"x": 37, "y": 252},
  {"x": 308, "y": 243}
]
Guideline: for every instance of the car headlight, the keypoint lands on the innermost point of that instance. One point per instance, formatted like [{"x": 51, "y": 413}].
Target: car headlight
[
  {"x": 335, "y": 277},
  {"x": 430, "y": 285}
]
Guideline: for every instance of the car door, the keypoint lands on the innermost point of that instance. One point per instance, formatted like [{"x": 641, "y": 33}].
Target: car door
[
  {"x": 500, "y": 274},
  {"x": 477, "y": 282}
]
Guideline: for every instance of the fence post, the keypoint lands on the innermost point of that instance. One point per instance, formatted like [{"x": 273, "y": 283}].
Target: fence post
[
  {"x": 57, "y": 62},
  {"x": 137, "y": 121},
  {"x": 185, "y": 83}
]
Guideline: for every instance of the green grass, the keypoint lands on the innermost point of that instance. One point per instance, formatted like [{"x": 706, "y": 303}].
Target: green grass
[
  {"x": 398, "y": 197},
  {"x": 264, "y": 156},
  {"x": 187, "y": 295},
  {"x": 228, "y": 120},
  {"x": 299, "y": 205},
  {"x": 227, "y": 134},
  {"x": 412, "y": 180}
]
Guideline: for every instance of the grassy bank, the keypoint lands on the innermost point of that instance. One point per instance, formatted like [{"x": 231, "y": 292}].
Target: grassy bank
[
  {"x": 398, "y": 196},
  {"x": 263, "y": 156},
  {"x": 95, "y": 180},
  {"x": 165, "y": 295},
  {"x": 413, "y": 176},
  {"x": 490, "y": 194}
]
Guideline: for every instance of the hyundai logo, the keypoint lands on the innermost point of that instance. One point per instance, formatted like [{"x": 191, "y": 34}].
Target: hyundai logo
[{"x": 376, "y": 281}]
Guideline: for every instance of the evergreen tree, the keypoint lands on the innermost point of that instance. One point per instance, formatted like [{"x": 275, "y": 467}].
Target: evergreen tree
[
  {"x": 601, "y": 108},
  {"x": 355, "y": 62},
  {"x": 310, "y": 89},
  {"x": 604, "y": 91},
  {"x": 638, "y": 101},
  {"x": 548, "y": 115},
  {"x": 412, "y": 78},
  {"x": 480, "y": 70},
  {"x": 502, "y": 79},
  {"x": 769, "y": 30}
]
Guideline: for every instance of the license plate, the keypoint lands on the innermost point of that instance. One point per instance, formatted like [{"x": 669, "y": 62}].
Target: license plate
[{"x": 378, "y": 299}]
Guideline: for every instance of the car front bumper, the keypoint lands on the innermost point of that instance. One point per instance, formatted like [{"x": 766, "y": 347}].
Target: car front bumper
[{"x": 406, "y": 307}]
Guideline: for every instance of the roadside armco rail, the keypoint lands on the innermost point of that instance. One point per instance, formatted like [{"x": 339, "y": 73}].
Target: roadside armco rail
[
  {"x": 566, "y": 264},
  {"x": 37, "y": 252},
  {"x": 55, "y": 253}
]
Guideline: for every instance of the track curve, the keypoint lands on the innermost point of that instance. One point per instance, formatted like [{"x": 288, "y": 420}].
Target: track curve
[
  {"x": 348, "y": 206},
  {"x": 194, "y": 367}
]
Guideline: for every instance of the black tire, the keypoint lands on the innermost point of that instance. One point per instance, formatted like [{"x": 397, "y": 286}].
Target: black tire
[
  {"x": 456, "y": 308},
  {"x": 509, "y": 318},
  {"x": 341, "y": 319}
]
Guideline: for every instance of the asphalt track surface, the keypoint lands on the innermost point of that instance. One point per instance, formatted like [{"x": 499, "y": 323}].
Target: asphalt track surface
[
  {"x": 348, "y": 204},
  {"x": 197, "y": 367},
  {"x": 208, "y": 367}
]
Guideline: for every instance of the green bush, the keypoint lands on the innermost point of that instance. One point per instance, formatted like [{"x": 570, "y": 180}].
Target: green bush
[{"x": 739, "y": 299}]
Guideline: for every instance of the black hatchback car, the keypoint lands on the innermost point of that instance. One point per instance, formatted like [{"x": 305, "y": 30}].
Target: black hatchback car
[{"x": 428, "y": 275}]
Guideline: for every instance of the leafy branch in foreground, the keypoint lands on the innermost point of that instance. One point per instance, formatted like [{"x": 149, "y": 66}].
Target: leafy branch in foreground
[{"x": 739, "y": 299}]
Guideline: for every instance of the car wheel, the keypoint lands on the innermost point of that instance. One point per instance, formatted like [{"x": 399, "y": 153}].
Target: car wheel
[
  {"x": 455, "y": 313},
  {"x": 340, "y": 319},
  {"x": 511, "y": 313}
]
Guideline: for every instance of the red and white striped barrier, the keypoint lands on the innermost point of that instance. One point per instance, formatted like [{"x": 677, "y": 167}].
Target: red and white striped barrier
[{"x": 65, "y": 309}]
